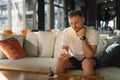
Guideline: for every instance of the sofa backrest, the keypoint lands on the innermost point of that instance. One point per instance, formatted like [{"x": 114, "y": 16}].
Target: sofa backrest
[
  {"x": 105, "y": 42},
  {"x": 48, "y": 44}
]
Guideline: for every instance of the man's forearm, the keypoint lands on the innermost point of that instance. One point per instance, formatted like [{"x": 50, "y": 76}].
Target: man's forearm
[{"x": 88, "y": 50}]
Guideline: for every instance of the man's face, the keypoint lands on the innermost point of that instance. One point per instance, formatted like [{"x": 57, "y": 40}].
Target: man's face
[{"x": 76, "y": 22}]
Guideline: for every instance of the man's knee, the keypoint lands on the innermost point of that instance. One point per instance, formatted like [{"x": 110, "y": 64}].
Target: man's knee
[
  {"x": 88, "y": 63},
  {"x": 88, "y": 66}
]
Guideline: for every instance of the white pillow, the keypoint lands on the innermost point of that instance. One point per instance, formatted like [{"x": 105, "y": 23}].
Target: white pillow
[
  {"x": 31, "y": 44},
  {"x": 58, "y": 43},
  {"x": 113, "y": 39},
  {"x": 46, "y": 43}
]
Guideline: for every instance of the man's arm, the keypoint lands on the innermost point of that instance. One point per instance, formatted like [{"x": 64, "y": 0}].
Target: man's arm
[{"x": 89, "y": 50}]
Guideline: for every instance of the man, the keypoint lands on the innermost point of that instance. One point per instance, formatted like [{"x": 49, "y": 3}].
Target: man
[{"x": 79, "y": 46}]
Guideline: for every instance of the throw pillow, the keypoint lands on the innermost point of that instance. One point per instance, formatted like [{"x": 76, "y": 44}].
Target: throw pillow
[
  {"x": 111, "y": 56},
  {"x": 31, "y": 44},
  {"x": 58, "y": 44},
  {"x": 12, "y": 48},
  {"x": 46, "y": 43},
  {"x": 20, "y": 38}
]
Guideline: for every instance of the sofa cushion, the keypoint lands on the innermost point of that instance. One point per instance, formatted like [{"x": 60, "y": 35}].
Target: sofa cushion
[
  {"x": 31, "y": 44},
  {"x": 40, "y": 64},
  {"x": 58, "y": 43},
  {"x": 109, "y": 73},
  {"x": 20, "y": 38},
  {"x": 111, "y": 55},
  {"x": 12, "y": 48},
  {"x": 46, "y": 43}
]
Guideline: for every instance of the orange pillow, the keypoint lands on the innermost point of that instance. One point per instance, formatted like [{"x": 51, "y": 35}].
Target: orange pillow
[
  {"x": 7, "y": 32},
  {"x": 25, "y": 32},
  {"x": 12, "y": 48}
]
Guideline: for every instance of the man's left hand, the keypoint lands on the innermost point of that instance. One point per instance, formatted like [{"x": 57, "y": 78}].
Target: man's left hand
[{"x": 65, "y": 56}]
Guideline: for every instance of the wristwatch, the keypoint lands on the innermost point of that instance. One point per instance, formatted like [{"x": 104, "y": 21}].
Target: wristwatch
[{"x": 83, "y": 38}]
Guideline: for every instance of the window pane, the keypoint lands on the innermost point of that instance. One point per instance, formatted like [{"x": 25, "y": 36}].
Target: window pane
[
  {"x": 54, "y": 14},
  {"x": 29, "y": 14},
  {"x": 19, "y": 18},
  {"x": 31, "y": 19},
  {"x": 58, "y": 12},
  {"x": 46, "y": 14},
  {"x": 17, "y": 10},
  {"x": 3, "y": 14}
]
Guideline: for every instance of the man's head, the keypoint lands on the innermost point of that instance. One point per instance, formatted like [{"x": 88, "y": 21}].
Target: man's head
[{"x": 76, "y": 19}]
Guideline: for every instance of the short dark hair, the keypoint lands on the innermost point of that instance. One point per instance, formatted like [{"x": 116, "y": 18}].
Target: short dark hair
[{"x": 75, "y": 13}]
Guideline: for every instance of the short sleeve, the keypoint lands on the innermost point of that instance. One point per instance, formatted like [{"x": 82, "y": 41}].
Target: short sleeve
[
  {"x": 65, "y": 38},
  {"x": 93, "y": 38}
]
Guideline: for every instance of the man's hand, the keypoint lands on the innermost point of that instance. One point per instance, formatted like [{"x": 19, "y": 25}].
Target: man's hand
[
  {"x": 65, "y": 56},
  {"x": 81, "y": 32}
]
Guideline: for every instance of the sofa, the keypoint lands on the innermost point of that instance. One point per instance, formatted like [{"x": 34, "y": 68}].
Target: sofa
[{"x": 43, "y": 50}]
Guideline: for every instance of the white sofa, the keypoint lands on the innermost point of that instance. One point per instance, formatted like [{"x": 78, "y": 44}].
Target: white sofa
[{"x": 43, "y": 50}]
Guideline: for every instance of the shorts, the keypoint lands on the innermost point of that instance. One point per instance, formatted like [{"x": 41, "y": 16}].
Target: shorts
[{"x": 78, "y": 63}]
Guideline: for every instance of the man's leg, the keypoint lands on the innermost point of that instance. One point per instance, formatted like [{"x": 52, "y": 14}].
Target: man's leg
[
  {"x": 88, "y": 67},
  {"x": 62, "y": 64}
]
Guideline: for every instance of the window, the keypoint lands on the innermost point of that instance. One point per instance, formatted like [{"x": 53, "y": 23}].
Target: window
[
  {"x": 3, "y": 13},
  {"x": 54, "y": 14},
  {"x": 20, "y": 15},
  {"x": 59, "y": 11},
  {"x": 31, "y": 14},
  {"x": 17, "y": 16}
]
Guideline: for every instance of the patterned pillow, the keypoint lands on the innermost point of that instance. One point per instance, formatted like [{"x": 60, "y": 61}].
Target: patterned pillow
[{"x": 12, "y": 48}]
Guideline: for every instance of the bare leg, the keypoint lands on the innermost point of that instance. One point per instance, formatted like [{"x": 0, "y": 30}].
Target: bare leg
[
  {"x": 88, "y": 67},
  {"x": 61, "y": 65}
]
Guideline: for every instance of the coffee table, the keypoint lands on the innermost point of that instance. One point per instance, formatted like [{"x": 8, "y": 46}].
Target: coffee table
[{"x": 11, "y": 73}]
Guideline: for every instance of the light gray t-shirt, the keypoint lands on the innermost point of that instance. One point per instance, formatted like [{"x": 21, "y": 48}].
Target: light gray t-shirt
[{"x": 73, "y": 41}]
